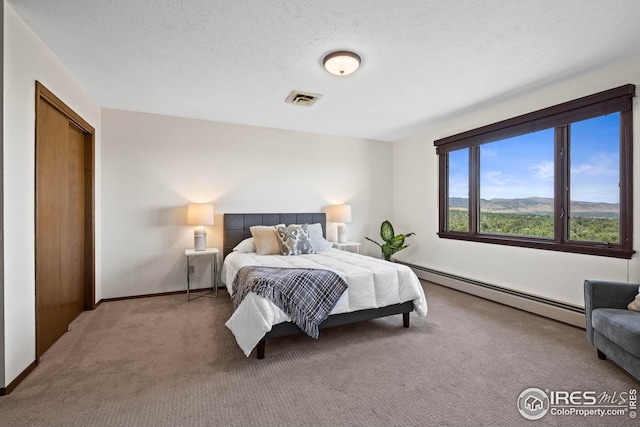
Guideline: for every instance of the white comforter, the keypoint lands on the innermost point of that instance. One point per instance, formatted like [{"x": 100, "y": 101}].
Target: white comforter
[{"x": 373, "y": 283}]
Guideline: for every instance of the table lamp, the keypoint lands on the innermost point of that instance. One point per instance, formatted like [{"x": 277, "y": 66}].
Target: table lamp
[
  {"x": 200, "y": 214},
  {"x": 341, "y": 214}
]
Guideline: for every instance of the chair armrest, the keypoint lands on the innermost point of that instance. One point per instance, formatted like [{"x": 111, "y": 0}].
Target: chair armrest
[{"x": 606, "y": 294}]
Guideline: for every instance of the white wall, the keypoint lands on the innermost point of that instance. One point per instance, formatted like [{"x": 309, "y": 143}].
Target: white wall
[
  {"x": 154, "y": 165},
  {"x": 554, "y": 275},
  {"x": 27, "y": 59}
]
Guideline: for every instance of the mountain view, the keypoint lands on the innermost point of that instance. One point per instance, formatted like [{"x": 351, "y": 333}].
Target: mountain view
[
  {"x": 539, "y": 206},
  {"x": 533, "y": 217}
]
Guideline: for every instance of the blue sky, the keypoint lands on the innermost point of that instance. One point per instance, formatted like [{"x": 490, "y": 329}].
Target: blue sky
[{"x": 523, "y": 166}]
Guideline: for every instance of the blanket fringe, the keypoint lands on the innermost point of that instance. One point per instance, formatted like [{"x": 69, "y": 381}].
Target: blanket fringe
[{"x": 297, "y": 316}]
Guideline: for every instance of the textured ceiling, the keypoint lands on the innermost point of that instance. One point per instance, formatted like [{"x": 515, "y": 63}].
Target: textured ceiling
[{"x": 237, "y": 60}]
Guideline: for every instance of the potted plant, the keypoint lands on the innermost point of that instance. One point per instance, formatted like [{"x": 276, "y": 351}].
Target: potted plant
[{"x": 392, "y": 243}]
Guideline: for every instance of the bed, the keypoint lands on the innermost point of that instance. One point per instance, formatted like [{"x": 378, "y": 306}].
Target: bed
[{"x": 376, "y": 288}]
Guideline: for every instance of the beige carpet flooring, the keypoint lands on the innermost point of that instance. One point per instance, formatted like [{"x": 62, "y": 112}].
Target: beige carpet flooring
[{"x": 164, "y": 362}]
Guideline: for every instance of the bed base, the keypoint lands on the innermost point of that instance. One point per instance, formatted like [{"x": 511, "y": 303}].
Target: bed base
[{"x": 289, "y": 328}]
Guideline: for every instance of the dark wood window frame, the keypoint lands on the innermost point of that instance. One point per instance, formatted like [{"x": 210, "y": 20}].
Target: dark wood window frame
[{"x": 619, "y": 99}]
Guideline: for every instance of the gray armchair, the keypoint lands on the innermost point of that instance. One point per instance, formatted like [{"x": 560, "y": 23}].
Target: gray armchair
[{"x": 614, "y": 330}]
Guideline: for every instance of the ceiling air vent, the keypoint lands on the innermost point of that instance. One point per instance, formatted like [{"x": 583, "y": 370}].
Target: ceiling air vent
[{"x": 305, "y": 99}]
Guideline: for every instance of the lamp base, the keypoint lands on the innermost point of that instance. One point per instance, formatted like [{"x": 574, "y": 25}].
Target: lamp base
[
  {"x": 199, "y": 242},
  {"x": 342, "y": 233}
]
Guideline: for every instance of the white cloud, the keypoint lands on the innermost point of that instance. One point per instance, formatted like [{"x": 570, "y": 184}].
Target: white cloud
[
  {"x": 599, "y": 164},
  {"x": 587, "y": 169},
  {"x": 543, "y": 171},
  {"x": 497, "y": 178},
  {"x": 459, "y": 187},
  {"x": 487, "y": 150}
]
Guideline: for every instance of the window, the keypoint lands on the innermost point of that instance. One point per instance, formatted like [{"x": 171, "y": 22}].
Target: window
[
  {"x": 459, "y": 190},
  {"x": 557, "y": 179},
  {"x": 516, "y": 191}
]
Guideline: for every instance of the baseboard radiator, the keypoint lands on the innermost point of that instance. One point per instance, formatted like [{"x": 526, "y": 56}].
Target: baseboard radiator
[{"x": 544, "y": 307}]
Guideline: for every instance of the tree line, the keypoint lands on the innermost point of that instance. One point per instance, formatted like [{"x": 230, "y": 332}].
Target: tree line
[{"x": 531, "y": 225}]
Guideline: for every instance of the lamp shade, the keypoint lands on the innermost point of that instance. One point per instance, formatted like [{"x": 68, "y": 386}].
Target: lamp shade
[
  {"x": 341, "y": 213},
  {"x": 200, "y": 214}
]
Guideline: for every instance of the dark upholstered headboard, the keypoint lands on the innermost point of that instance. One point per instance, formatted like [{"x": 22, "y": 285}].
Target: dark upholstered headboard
[{"x": 236, "y": 226}]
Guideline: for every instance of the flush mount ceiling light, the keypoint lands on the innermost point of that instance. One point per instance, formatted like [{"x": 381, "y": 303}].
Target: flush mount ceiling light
[{"x": 341, "y": 63}]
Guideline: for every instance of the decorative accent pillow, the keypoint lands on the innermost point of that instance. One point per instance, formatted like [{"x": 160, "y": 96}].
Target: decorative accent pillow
[
  {"x": 635, "y": 304},
  {"x": 318, "y": 242},
  {"x": 247, "y": 245},
  {"x": 265, "y": 238},
  {"x": 294, "y": 240}
]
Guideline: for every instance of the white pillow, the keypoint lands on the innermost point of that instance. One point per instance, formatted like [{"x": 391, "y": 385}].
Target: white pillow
[
  {"x": 247, "y": 245},
  {"x": 265, "y": 238},
  {"x": 318, "y": 242}
]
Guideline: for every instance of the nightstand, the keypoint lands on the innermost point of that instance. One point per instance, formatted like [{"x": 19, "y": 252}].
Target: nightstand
[
  {"x": 344, "y": 245},
  {"x": 213, "y": 253}
]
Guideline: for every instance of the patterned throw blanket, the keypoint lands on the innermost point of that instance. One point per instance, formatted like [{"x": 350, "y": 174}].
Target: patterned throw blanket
[{"x": 306, "y": 295}]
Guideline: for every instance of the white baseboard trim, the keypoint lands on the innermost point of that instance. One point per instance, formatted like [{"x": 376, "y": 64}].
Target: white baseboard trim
[{"x": 565, "y": 313}]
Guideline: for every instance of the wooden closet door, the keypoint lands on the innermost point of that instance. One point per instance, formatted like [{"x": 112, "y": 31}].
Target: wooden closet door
[{"x": 60, "y": 219}]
